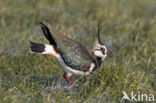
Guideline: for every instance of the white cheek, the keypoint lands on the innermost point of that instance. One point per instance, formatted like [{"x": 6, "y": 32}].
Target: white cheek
[{"x": 98, "y": 53}]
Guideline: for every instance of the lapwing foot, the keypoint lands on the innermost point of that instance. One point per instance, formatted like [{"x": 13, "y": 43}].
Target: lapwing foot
[{"x": 67, "y": 78}]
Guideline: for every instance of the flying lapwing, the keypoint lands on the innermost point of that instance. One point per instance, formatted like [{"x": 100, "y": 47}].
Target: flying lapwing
[{"x": 72, "y": 56}]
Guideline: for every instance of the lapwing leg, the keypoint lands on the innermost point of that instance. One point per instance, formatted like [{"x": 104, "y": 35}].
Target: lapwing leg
[{"x": 67, "y": 78}]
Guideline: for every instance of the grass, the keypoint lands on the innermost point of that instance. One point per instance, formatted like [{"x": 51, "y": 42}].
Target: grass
[{"x": 128, "y": 25}]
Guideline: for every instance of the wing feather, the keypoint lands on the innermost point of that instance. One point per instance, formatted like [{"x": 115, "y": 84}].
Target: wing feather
[{"x": 72, "y": 51}]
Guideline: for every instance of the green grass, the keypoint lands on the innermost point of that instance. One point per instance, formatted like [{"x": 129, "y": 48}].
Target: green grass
[{"x": 130, "y": 25}]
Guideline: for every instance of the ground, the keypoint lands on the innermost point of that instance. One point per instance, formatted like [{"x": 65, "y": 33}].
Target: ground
[{"x": 128, "y": 28}]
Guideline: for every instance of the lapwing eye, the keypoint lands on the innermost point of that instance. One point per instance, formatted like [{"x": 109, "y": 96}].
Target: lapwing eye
[{"x": 103, "y": 50}]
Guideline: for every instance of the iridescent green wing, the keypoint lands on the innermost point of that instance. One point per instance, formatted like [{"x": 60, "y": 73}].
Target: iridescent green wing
[{"x": 72, "y": 51}]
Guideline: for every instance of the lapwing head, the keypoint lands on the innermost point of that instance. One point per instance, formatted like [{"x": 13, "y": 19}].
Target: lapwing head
[{"x": 100, "y": 50}]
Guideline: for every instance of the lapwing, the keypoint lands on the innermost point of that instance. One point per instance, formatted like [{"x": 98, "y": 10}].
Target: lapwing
[{"x": 71, "y": 55}]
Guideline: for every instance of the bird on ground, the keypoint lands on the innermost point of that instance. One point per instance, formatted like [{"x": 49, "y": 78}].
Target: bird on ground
[{"x": 72, "y": 56}]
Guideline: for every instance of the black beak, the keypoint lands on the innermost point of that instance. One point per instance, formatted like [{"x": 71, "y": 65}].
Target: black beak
[{"x": 109, "y": 53}]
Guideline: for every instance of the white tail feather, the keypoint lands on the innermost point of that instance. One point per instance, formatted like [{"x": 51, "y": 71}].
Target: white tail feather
[{"x": 49, "y": 49}]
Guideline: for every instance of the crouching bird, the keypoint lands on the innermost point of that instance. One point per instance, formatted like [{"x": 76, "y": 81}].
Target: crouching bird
[{"x": 72, "y": 56}]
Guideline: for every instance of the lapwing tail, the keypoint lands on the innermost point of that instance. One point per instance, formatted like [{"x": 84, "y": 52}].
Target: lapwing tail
[
  {"x": 43, "y": 48},
  {"x": 37, "y": 47}
]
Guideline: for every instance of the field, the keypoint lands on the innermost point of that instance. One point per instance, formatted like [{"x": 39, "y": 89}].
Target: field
[{"x": 128, "y": 27}]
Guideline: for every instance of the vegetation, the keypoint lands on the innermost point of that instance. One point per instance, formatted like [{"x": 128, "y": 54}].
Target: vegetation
[{"x": 128, "y": 27}]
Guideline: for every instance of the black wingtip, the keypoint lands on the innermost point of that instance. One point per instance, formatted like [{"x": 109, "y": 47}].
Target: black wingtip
[
  {"x": 42, "y": 24},
  {"x": 44, "y": 28},
  {"x": 47, "y": 34}
]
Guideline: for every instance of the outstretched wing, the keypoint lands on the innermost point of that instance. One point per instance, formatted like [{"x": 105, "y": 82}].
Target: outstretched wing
[
  {"x": 73, "y": 52},
  {"x": 47, "y": 34}
]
